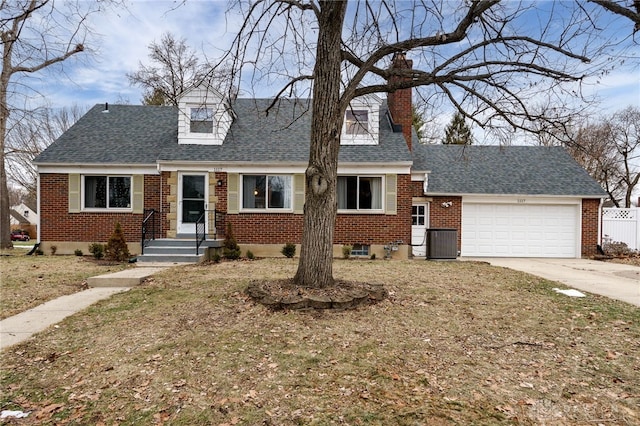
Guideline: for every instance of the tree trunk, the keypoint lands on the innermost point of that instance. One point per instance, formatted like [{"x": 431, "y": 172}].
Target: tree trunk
[
  {"x": 315, "y": 268},
  {"x": 5, "y": 223}
]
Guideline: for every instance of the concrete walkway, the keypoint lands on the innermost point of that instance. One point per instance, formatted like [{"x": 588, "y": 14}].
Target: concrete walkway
[
  {"x": 614, "y": 280},
  {"x": 21, "y": 327}
]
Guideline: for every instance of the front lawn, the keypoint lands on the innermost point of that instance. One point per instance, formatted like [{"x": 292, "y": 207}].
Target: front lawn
[
  {"x": 456, "y": 343},
  {"x": 28, "y": 281}
]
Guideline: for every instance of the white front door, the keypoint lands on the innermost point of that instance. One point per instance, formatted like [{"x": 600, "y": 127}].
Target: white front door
[
  {"x": 192, "y": 196},
  {"x": 419, "y": 225}
]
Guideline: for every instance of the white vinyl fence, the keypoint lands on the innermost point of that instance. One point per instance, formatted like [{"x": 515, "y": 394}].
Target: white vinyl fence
[{"x": 621, "y": 225}]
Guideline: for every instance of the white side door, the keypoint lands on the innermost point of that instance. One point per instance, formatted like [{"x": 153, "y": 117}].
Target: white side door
[
  {"x": 192, "y": 200},
  {"x": 419, "y": 225}
]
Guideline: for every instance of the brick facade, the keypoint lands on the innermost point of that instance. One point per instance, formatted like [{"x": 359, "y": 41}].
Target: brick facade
[
  {"x": 368, "y": 229},
  {"x": 58, "y": 225},
  {"x": 590, "y": 222}
]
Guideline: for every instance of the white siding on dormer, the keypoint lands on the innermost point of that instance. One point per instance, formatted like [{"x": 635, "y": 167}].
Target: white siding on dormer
[
  {"x": 370, "y": 104},
  {"x": 222, "y": 118}
]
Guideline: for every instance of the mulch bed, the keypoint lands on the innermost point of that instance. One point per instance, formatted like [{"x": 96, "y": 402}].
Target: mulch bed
[{"x": 285, "y": 294}]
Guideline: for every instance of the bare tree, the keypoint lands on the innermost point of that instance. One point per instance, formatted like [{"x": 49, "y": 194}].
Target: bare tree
[
  {"x": 593, "y": 147},
  {"x": 486, "y": 58},
  {"x": 174, "y": 68},
  {"x": 628, "y": 8},
  {"x": 30, "y": 134},
  {"x": 626, "y": 140},
  {"x": 36, "y": 34}
]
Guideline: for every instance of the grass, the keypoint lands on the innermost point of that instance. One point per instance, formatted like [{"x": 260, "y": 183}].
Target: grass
[
  {"x": 28, "y": 281},
  {"x": 456, "y": 343}
]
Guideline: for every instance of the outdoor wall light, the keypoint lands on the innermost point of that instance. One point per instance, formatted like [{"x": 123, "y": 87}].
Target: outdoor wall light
[
  {"x": 447, "y": 204},
  {"x": 220, "y": 182}
]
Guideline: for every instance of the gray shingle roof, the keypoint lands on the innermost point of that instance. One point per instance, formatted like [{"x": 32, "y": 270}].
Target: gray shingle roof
[
  {"x": 130, "y": 134},
  {"x": 127, "y": 134},
  {"x": 530, "y": 170}
]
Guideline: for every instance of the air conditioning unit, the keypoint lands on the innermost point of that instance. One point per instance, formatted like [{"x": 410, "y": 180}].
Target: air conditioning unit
[{"x": 442, "y": 243}]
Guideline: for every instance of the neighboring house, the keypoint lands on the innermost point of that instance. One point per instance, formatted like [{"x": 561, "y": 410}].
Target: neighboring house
[
  {"x": 210, "y": 155},
  {"x": 24, "y": 216}
]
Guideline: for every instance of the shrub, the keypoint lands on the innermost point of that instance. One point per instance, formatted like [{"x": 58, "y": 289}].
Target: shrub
[
  {"x": 117, "y": 248},
  {"x": 97, "y": 250},
  {"x": 250, "y": 255},
  {"x": 230, "y": 248},
  {"x": 216, "y": 257},
  {"x": 346, "y": 251},
  {"x": 289, "y": 250},
  {"x": 53, "y": 249},
  {"x": 78, "y": 252},
  {"x": 616, "y": 248},
  {"x": 373, "y": 256}
]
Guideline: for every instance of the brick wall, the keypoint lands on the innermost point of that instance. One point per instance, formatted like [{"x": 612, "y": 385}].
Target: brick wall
[
  {"x": 590, "y": 216},
  {"x": 57, "y": 224},
  {"x": 446, "y": 217},
  {"x": 276, "y": 228}
]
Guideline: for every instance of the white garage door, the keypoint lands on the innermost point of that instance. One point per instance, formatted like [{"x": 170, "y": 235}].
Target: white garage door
[{"x": 519, "y": 230}]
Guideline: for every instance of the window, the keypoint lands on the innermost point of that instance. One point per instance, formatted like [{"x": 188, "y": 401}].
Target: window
[
  {"x": 360, "y": 250},
  {"x": 418, "y": 215},
  {"x": 266, "y": 192},
  {"x": 107, "y": 192},
  {"x": 359, "y": 193},
  {"x": 201, "y": 120},
  {"x": 357, "y": 122}
]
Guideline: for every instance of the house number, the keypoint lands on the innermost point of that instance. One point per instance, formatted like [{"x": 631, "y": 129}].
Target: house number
[{"x": 521, "y": 200}]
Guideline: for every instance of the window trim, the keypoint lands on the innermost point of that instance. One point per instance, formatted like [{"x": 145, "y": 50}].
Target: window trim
[
  {"x": 383, "y": 196},
  {"x": 208, "y": 108},
  {"x": 361, "y": 126},
  {"x": 266, "y": 208},
  {"x": 361, "y": 250},
  {"x": 106, "y": 209}
]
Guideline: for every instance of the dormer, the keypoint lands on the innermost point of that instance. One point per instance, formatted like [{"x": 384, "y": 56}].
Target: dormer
[
  {"x": 362, "y": 121},
  {"x": 205, "y": 117}
]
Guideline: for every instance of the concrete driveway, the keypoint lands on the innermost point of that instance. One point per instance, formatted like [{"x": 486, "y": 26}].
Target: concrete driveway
[{"x": 614, "y": 280}]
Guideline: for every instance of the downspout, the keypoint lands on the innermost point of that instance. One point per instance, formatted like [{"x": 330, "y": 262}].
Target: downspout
[
  {"x": 160, "y": 206},
  {"x": 38, "y": 207},
  {"x": 599, "y": 246}
]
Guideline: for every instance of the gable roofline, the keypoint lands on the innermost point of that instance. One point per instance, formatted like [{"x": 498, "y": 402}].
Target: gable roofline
[
  {"x": 17, "y": 216},
  {"x": 503, "y": 170}
]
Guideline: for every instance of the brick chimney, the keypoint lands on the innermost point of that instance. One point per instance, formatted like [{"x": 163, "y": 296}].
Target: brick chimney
[{"x": 400, "y": 101}]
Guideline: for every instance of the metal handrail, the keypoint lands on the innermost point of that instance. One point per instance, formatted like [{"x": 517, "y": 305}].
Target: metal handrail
[
  {"x": 201, "y": 228},
  {"x": 148, "y": 227},
  {"x": 201, "y": 231}
]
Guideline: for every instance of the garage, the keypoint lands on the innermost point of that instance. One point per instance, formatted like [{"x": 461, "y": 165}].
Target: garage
[{"x": 520, "y": 230}]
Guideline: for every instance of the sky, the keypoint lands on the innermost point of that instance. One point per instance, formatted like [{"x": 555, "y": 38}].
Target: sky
[{"x": 123, "y": 36}]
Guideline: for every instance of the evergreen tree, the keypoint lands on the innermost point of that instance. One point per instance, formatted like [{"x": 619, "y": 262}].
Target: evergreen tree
[{"x": 457, "y": 132}]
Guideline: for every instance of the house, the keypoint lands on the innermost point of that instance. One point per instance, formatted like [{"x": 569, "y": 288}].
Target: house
[
  {"x": 24, "y": 216},
  {"x": 212, "y": 161}
]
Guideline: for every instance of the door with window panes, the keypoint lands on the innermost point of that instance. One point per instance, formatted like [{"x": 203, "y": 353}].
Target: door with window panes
[
  {"x": 192, "y": 196},
  {"x": 419, "y": 225}
]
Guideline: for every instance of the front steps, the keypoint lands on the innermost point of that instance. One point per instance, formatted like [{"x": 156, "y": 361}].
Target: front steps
[{"x": 176, "y": 250}]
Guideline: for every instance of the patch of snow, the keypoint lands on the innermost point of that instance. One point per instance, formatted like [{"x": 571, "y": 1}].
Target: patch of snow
[{"x": 569, "y": 292}]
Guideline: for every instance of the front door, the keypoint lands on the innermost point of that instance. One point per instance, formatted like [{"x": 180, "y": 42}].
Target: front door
[
  {"x": 192, "y": 201},
  {"x": 419, "y": 225}
]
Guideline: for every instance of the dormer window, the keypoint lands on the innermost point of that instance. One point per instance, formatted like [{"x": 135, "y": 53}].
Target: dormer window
[
  {"x": 361, "y": 121},
  {"x": 205, "y": 117},
  {"x": 201, "y": 120},
  {"x": 357, "y": 122}
]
